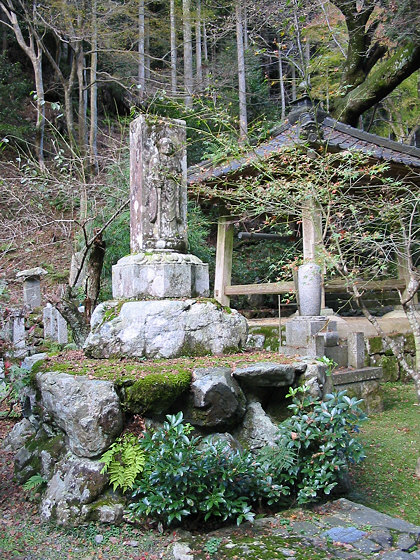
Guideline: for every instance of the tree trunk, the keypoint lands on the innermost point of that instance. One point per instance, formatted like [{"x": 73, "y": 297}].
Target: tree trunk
[
  {"x": 141, "y": 66},
  {"x": 188, "y": 69},
  {"x": 40, "y": 109},
  {"x": 68, "y": 307},
  {"x": 206, "y": 56},
  {"x": 382, "y": 79},
  {"x": 243, "y": 121},
  {"x": 146, "y": 52},
  {"x": 80, "y": 65},
  {"x": 94, "y": 270},
  {"x": 281, "y": 84},
  {"x": 93, "y": 148},
  {"x": 173, "y": 47},
  {"x": 33, "y": 51},
  {"x": 198, "y": 54}
]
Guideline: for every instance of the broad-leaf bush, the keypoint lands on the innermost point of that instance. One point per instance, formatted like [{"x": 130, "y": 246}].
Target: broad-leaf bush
[
  {"x": 182, "y": 476},
  {"x": 321, "y": 434}
]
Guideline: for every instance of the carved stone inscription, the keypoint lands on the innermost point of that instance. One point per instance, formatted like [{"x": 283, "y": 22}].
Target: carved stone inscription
[{"x": 158, "y": 185}]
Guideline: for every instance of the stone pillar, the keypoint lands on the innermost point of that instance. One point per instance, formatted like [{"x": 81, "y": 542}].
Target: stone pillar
[
  {"x": 224, "y": 250},
  {"x": 356, "y": 350},
  {"x": 32, "y": 286},
  {"x": 312, "y": 237},
  {"x": 158, "y": 184},
  {"x": 55, "y": 326},
  {"x": 309, "y": 288},
  {"x": 18, "y": 332},
  {"x": 159, "y": 265}
]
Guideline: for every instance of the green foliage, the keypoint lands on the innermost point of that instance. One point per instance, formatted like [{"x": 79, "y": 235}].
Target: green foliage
[
  {"x": 35, "y": 482},
  {"x": 212, "y": 545},
  {"x": 182, "y": 478},
  {"x": 322, "y": 433},
  {"x": 16, "y": 379},
  {"x": 123, "y": 462},
  {"x": 13, "y": 89}
]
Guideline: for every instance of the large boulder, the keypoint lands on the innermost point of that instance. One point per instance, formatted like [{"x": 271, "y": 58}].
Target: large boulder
[
  {"x": 18, "y": 436},
  {"x": 217, "y": 401},
  {"x": 86, "y": 410},
  {"x": 257, "y": 429},
  {"x": 77, "y": 481},
  {"x": 164, "y": 329},
  {"x": 268, "y": 374}
]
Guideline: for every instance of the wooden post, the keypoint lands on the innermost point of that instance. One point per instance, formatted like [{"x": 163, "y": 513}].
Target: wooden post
[{"x": 224, "y": 250}]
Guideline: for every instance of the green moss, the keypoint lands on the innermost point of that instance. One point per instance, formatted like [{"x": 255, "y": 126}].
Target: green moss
[
  {"x": 271, "y": 334},
  {"x": 409, "y": 345},
  {"x": 375, "y": 345},
  {"x": 390, "y": 368},
  {"x": 154, "y": 393}
]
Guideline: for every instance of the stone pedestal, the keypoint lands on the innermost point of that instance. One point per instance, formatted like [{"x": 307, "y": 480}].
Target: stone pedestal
[
  {"x": 310, "y": 336},
  {"x": 163, "y": 274}
]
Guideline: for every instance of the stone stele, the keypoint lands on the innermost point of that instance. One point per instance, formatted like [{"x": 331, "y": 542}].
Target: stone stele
[{"x": 159, "y": 264}]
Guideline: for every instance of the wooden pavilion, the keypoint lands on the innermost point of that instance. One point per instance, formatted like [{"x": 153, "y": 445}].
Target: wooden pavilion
[{"x": 307, "y": 123}]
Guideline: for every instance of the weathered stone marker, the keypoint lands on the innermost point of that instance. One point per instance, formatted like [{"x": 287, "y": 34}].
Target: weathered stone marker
[
  {"x": 158, "y": 185},
  {"x": 55, "y": 326},
  {"x": 32, "y": 286},
  {"x": 159, "y": 265}
]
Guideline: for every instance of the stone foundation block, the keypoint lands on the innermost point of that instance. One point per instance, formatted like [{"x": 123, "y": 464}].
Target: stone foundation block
[{"x": 163, "y": 274}]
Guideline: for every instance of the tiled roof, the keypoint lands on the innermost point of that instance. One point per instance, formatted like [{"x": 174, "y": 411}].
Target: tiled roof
[{"x": 337, "y": 135}]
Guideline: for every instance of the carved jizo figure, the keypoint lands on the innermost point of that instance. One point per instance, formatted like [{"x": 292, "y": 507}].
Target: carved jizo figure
[{"x": 158, "y": 168}]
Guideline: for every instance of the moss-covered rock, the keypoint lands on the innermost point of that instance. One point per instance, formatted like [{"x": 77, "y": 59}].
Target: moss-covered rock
[
  {"x": 154, "y": 393},
  {"x": 390, "y": 368},
  {"x": 374, "y": 345},
  {"x": 271, "y": 337}
]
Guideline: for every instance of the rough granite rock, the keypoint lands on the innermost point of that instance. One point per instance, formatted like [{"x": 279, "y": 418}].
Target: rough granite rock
[
  {"x": 268, "y": 374},
  {"x": 164, "y": 329},
  {"x": 39, "y": 455},
  {"x": 77, "y": 481},
  {"x": 217, "y": 400},
  {"x": 88, "y": 411},
  {"x": 18, "y": 436},
  {"x": 257, "y": 430}
]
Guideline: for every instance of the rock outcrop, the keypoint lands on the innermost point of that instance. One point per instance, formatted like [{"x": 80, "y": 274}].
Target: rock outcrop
[{"x": 164, "y": 329}]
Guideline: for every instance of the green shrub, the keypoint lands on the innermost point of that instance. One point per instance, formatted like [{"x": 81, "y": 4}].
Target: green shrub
[
  {"x": 182, "y": 478},
  {"x": 321, "y": 434}
]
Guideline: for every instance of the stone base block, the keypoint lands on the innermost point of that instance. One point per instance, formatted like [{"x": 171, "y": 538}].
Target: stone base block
[
  {"x": 160, "y": 274},
  {"x": 164, "y": 329},
  {"x": 363, "y": 383},
  {"x": 310, "y": 336}
]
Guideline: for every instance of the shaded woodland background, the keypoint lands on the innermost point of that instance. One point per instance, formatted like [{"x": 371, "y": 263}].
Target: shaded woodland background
[{"x": 74, "y": 74}]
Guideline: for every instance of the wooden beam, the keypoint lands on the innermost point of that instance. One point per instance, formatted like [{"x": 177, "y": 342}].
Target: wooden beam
[
  {"x": 224, "y": 250},
  {"x": 335, "y": 286},
  {"x": 273, "y": 288}
]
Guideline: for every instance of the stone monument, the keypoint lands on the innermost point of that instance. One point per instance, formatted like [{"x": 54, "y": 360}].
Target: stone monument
[
  {"x": 32, "y": 296},
  {"x": 159, "y": 264},
  {"x": 159, "y": 274}
]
